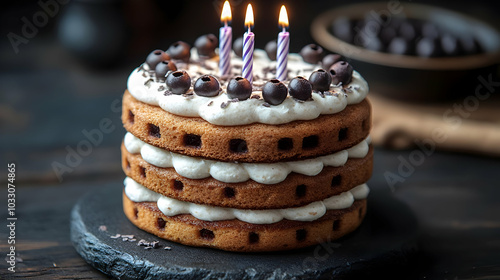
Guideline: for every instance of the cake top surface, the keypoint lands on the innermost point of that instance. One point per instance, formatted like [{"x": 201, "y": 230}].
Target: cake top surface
[{"x": 220, "y": 109}]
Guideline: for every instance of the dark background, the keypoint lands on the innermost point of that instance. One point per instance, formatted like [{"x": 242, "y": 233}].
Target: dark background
[{"x": 61, "y": 84}]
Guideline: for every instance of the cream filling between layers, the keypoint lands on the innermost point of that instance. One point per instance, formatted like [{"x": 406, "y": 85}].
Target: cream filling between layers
[
  {"x": 313, "y": 211},
  {"x": 230, "y": 172},
  {"x": 147, "y": 90}
]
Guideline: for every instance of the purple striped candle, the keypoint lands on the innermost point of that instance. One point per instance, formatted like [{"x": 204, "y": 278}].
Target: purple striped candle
[
  {"x": 248, "y": 45},
  {"x": 225, "y": 41},
  {"x": 282, "y": 50}
]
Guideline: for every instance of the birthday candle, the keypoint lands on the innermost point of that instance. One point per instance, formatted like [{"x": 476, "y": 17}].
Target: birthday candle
[
  {"x": 283, "y": 44},
  {"x": 248, "y": 46},
  {"x": 225, "y": 39}
]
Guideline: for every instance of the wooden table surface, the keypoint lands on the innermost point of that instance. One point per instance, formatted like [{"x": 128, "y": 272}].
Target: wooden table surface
[
  {"x": 454, "y": 197},
  {"x": 46, "y": 108}
]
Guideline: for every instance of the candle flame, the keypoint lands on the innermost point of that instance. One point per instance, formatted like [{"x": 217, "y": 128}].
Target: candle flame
[
  {"x": 283, "y": 19},
  {"x": 249, "y": 16},
  {"x": 226, "y": 12}
]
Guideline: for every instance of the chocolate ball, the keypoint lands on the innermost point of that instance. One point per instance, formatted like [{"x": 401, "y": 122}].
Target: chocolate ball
[
  {"x": 271, "y": 49},
  {"x": 155, "y": 57},
  {"x": 398, "y": 45},
  {"x": 469, "y": 44},
  {"x": 207, "y": 86},
  {"x": 205, "y": 45},
  {"x": 300, "y": 88},
  {"x": 450, "y": 45},
  {"x": 428, "y": 47},
  {"x": 342, "y": 28},
  {"x": 163, "y": 68},
  {"x": 238, "y": 47},
  {"x": 329, "y": 60},
  {"x": 240, "y": 88},
  {"x": 407, "y": 31},
  {"x": 312, "y": 53},
  {"x": 341, "y": 73},
  {"x": 372, "y": 43},
  {"x": 430, "y": 30},
  {"x": 387, "y": 34},
  {"x": 320, "y": 80},
  {"x": 180, "y": 50},
  {"x": 178, "y": 82},
  {"x": 274, "y": 92}
]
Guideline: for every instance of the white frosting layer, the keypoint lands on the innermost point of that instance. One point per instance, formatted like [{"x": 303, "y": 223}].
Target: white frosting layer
[
  {"x": 171, "y": 207},
  {"x": 250, "y": 110},
  {"x": 230, "y": 172}
]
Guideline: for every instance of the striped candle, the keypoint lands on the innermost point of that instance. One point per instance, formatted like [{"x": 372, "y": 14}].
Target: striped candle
[
  {"x": 248, "y": 43},
  {"x": 225, "y": 41},
  {"x": 282, "y": 56},
  {"x": 282, "y": 50}
]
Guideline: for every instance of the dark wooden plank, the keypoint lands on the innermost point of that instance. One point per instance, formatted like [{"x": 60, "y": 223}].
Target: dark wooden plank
[{"x": 42, "y": 234}]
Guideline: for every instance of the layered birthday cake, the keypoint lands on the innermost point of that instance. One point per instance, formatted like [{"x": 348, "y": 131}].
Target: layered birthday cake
[{"x": 217, "y": 161}]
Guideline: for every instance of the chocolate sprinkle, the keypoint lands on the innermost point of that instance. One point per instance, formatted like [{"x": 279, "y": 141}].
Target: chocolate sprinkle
[
  {"x": 265, "y": 104},
  {"x": 223, "y": 105},
  {"x": 161, "y": 88},
  {"x": 155, "y": 244},
  {"x": 167, "y": 93},
  {"x": 188, "y": 95},
  {"x": 210, "y": 103},
  {"x": 148, "y": 82}
]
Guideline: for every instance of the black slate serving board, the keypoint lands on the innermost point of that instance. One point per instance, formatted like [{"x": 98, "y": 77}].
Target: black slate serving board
[{"x": 383, "y": 245}]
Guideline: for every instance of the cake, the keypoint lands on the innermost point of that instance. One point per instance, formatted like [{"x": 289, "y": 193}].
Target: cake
[{"x": 214, "y": 161}]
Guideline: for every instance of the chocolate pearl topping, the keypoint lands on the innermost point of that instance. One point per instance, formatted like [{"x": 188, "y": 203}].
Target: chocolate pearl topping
[
  {"x": 428, "y": 47},
  {"x": 207, "y": 86},
  {"x": 312, "y": 53},
  {"x": 178, "y": 82},
  {"x": 155, "y": 57},
  {"x": 238, "y": 47},
  {"x": 206, "y": 44},
  {"x": 274, "y": 92},
  {"x": 341, "y": 73},
  {"x": 450, "y": 45},
  {"x": 320, "y": 80},
  {"x": 180, "y": 50},
  {"x": 300, "y": 88},
  {"x": 398, "y": 45},
  {"x": 240, "y": 88},
  {"x": 163, "y": 68},
  {"x": 271, "y": 49},
  {"x": 329, "y": 60}
]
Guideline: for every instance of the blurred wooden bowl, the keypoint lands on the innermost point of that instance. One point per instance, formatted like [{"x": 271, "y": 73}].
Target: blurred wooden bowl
[{"x": 413, "y": 78}]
